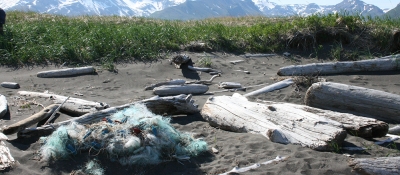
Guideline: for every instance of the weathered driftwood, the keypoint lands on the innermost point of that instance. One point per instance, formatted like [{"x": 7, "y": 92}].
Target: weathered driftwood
[
  {"x": 395, "y": 130},
  {"x": 11, "y": 85},
  {"x": 67, "y": 72},
  {"x": 236, "y": 61},
  {"x": 355, "y": 125},
  {"x": 3, "y": 106},
  {"x": 21, "y": 125},
  {"x": 386, "y": 64},
  {"x": 203, "y": 69},
  {"x": 245, "y": 71},
  {"x": 180, "y": 89},
  {"x": 229, "y": 85},
  {"x": 237, "y": 170},
  {"x": 362, "y": 101},
  {"x": 179, "y": 60},
  {"x": 53, "y": 115},
  {"x": 205, "y": 82},
  {"x": 378, "y": 165},
  {"x": 6, "y": 159},
  {"x": 171, "y": 82},
  {"x": 259, "y": 55},
  {"x": 181, "y": 104},
  {"x": 278, "y": 122},
  {"x": 272, "y": 87},
  {"x": 391, "y": 138},
  {"x": 74, "y": 106}
]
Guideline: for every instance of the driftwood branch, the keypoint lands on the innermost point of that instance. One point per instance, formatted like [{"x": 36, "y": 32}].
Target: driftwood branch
[
  {"x": 54, "y": 112},
  {"x": 171, "y": 82},
  {"x": 383, "y": 64},
  {"x": 205, "y": 82},
  {"x": 353, "y": 99},
  {"x": 229, "y": 85},
  {"x": 272, "y": 87},
  {"x": 67, "y": 72},
  {"x": 3, "y": 106},
  {"x": 180, "y": 89},
  {"x": 181, "y": 104},
  {"x": 377, "y": 165},
  {"x": 236, "y": 61}
]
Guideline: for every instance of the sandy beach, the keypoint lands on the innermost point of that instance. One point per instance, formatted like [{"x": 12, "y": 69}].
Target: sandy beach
[{"x": 235, "y": 149}]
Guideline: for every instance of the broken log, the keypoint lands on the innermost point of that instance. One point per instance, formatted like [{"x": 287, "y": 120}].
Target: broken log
[
  {"x": 180, "y": 89},
  {"x": 395, "y": 130},
  {"x": 6, "y": 159},
  {"x": 272, "y": 87},
  {"x": 11, "y": 85},
  {"x": 378, "y": 165},
  {"x": 21, "y": 125},
  {"x": 355, "y": 125},
  {"x": 278, "y": 122},
  {"x": 181, "y": 104},
  {"x": 67, "y": 72},
  {"x": 353, "y": 99},
  {"x": 386, "y": 64},
  {"x": 3, "y": 106},
  {"x": 171, "y": 82},
  {"x": 74, "y": 106}
]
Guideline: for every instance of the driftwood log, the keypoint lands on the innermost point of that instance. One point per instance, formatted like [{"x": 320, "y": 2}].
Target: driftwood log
[
  {"x": 278, "y": 122},
  {"x": 21, "y": 125},
  {"x": 353, "y": 99},
  {"x": 171, "y": 82},
  {"x": 203, "y": 69},
  {"x": 355, "y": 125},
  {"x": 229, "y": 85},
  {"x": 382, "y": 64},
  {"x": 395, "y": 130},
  {"x": 181, "y": 104},
  {"x": 11, "y": 85},
  {"x": 272, "y": 87},
  {"x": 378, "y": 165},
  {"x": 6, "y": 159},
  {"x": 67, "y": 72},
  {"x": 180, "y": 89},
  {"x": 74, "y": 106},
  {"x": 3, "y": 106}
]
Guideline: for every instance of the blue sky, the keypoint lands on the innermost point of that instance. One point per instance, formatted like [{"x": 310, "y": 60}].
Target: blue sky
[{"x": 380, "y": 3}]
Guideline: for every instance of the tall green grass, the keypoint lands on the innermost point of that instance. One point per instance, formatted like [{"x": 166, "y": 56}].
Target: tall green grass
[{"x": 39, "y": 39}]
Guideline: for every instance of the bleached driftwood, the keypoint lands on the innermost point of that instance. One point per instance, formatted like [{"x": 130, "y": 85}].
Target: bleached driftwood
[
  {"x": 395, "y": 130},
  {"x": 67, "y": 72},
  {"x": 272, "y": 87},
  {"x": 11, "y": 85},
  {"x": 245, "y": 71},
  {"x": 259, "y": 55},
  {"x": 205, "y": 82},
  {"x": 236, "y": 61},
  {"x": 6, "y": 159},
  {"x": 278, "y": 122},
  {"x": 171, "y": 82},
  {"x": 377, "y": 165},
  {"x": 3, "y": 106},
  {"x": 180, "y": 89},
  {"x": 179, "y": 60},
  {"x": 346, "y": 98},
  {"x": 53, "y": 115},
  {"x": 203, "y": 69},
  {"x": 237, "y": 170},
  {"x": 21, "y": 125},
  {"x": 386, "y": 64},
  {"x": 181, "y": 104},
  {"x": 74, "y": 106},
  {"x": 229, "y": 85}
]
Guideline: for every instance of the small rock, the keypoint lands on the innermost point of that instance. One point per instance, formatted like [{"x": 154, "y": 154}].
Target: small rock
[{"x": 214, "y": 150}]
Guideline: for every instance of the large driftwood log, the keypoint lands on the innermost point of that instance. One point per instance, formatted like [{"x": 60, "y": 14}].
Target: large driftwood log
[
  {"x": 21, "y": 125},
  {"x": 180, "y": 89},
  {"x": 3, "y": 106},
  {"x": 6, "y": 159},
  {"x": 181, "y": 104},
  {"x": 379, "y": 165},
  {"x": 67, "y": 72},
  {"x": 383, "y": 64},
  {"x": 355, "y": 125},
  {"x": 272, "y": 87},
  {"x": 353, "y": 99},
  {"x": 74, "y": 106},
  {"x": 278, "y": 122},
  {"x": 171, "y": 82}
]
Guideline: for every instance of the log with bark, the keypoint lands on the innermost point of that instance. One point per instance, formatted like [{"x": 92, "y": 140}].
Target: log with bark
[
  {"x": 278, "y": 122},
  {"x": 21, "y": 125},
  {"x": 73, "y": 106},
  {"x": 382, "y": 64},
  {"x": 3, "y": 106},
  {"x": 6, "y": 159},
  {"x": 272, "y": 87},
  {"x": 378, "y": 165},
  {"x": 353, "y": 99},
  {"x": 171, "y": 82},
  {"x": 67, "y": 72},
  {"x": 180, "y": 89},
  {"x": 181, "y": 104}
]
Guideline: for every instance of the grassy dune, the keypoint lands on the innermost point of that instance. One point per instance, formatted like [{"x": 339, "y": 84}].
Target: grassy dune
[{"x": 41, "y": 39}]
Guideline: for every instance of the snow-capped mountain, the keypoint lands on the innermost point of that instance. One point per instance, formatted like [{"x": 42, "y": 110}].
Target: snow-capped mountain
[{"x": 185, "y": 9}]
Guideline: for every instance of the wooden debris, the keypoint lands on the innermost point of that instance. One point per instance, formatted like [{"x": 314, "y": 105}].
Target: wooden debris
[
  {"x": 67, "y": 72},
  {"x": 385, "y": 64},
  {"x": 278, "y": 122},
  {"x": 377, "y": 165},
  {"x": 179, "y": 60},
  {"x": 229, "y": 85},
  {"x": 21, "y": 125},
  {"x": 353, "y": 99},
  {"x": 54, "y": 112},
  {"x": 11, "y": 85},
  {"x": 181, "y": 104},
  {"x": 245, "y": 71},
  {"x": 272, "y": 87},
  {"x": 6, "y": 159},
  {"x": 203, "y": 69},
  {"x": 74, "y": 106},
  {"x": 3, "y": 106},
  {"x": 205, "y": 82},
  {"x": 391, "y": 138},
  {"x": 236, "y": 61},
  {"x": 237, "y": 170},
  {"x": 171, "y": 82},
  {"x": 259, "y": 55},
  {"x": 395, "y": 130},
  {"x": 180, "y": 89}
]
